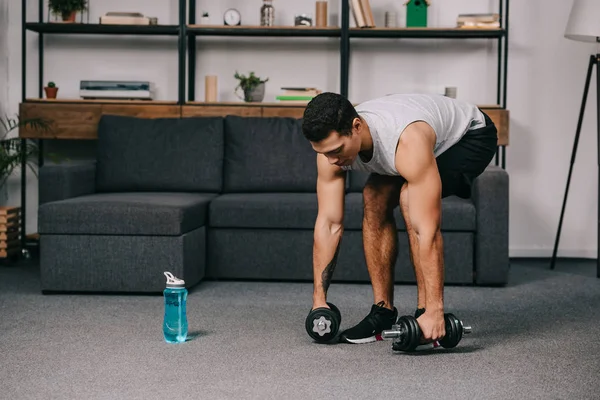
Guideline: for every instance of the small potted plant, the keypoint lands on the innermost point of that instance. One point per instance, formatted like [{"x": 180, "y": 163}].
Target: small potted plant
[
  {"x": 51, "y": 90},
  {"x": 67, "y": 9},
  {"x": 252, "y": 85}
]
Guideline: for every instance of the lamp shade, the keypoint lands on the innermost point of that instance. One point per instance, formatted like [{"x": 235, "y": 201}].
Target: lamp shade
[{"x": 584, "y": 21}]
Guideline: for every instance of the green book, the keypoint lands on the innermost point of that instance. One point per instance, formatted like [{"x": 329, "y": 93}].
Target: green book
[{"x": 294, "y": 97}]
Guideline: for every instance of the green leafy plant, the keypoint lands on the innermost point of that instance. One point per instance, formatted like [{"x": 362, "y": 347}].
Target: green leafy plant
[
  {"x": 13, "y": 149},
  {"x": 67, "y": 7},
  {"x": 248, "y": 82},
  {"x": 51, "y": 84}
]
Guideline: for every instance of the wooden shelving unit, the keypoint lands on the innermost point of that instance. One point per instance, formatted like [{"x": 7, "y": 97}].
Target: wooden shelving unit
[{"x": 77, "y": 119}]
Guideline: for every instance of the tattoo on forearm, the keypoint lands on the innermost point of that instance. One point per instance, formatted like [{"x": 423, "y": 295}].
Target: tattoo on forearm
[{"x": 328, "y": 271}]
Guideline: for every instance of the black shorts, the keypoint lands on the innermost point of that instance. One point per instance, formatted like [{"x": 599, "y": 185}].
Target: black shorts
[{"x": 467, "y": 159}]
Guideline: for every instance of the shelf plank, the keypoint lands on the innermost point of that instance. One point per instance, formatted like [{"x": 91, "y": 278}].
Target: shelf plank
[
  {"x": 251, "y": 30},
  {"x": 105, "y": 29},
  {"x": 79, "y": 119},
  {"x": 219, "y": 110},
  {"x": 431, "y": 33},
  {"x": 242, "y": 104},
  {"x": 100, "y": 101}
]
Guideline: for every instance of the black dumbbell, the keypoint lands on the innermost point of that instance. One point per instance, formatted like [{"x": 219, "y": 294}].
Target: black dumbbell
[
  {"x": 323, "y": 324},
  {"x": 406, "y": 333}
]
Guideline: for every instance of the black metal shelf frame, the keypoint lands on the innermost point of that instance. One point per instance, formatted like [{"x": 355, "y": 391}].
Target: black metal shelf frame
[{"x": 187, "y": 33}]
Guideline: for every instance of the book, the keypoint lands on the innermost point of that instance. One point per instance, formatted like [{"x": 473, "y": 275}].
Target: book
[{"x": 363, "y": 15}]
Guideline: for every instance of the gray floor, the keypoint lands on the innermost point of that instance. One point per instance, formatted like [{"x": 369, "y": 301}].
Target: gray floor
[{"x": 537, "y": 338}]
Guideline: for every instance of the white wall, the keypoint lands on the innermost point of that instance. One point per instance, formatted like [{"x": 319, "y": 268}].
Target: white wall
[
  {"x": 3, "y": 74},
  {"x": 3, "y": 55},
  {"x": 545, "y": 82}
]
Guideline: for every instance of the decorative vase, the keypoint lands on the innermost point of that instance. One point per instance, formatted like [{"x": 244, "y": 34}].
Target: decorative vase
[
  {"x": 51, "y": 92},
  {"x": 255, "y": 94}
]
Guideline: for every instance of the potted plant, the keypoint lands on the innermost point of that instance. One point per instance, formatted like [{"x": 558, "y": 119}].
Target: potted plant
[
  {"x": 67, "y": 9},
  {"x": 252, "y": 85},
  {"x": 13, "y": 149},
  {"x": 51, "y": 90}
]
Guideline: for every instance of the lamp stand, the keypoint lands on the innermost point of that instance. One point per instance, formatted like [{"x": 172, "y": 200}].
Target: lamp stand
[{"x": 594, "y": 60}]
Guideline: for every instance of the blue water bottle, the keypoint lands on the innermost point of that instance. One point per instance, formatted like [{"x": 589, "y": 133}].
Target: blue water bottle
[{"x": 175, "y": 325}]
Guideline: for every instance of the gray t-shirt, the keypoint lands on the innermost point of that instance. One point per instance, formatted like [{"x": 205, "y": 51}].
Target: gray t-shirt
[{"x": 388, "y": 116}]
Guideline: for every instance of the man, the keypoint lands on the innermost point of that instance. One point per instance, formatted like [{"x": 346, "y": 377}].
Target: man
[{"x": 418, "y": 149}]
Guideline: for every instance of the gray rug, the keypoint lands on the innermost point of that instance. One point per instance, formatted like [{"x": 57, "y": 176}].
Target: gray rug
[{"x": 537, "y": 338}]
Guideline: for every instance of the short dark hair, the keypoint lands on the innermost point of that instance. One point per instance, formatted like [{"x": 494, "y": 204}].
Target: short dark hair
[{"x": 325, "y": 113}]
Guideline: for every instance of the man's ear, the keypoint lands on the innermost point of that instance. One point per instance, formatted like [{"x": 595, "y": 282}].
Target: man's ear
[{"x": 356, "y": 123}]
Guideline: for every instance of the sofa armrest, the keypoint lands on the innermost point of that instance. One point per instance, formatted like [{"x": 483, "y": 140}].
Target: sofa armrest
[
  {"x": 490, "y": 196},
  {"x": 66, "y": 180}
]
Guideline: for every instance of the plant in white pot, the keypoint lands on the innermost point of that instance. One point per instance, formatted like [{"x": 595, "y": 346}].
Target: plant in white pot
[{"x": 252, "y": 85}]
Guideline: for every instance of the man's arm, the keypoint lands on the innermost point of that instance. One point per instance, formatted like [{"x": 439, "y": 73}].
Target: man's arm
[
  {"x": 328, "y": 227},
  {"x": 416, "y": 162}
]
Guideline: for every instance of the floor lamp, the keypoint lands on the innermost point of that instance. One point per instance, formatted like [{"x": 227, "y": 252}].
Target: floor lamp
[{"x": 584, "y": 26}]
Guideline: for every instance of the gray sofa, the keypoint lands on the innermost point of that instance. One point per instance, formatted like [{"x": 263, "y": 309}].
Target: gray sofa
[{"x": 227, "y": 198}]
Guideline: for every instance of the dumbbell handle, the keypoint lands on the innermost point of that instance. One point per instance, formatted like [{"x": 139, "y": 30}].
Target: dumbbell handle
[
  {"x": 392, "y": 333},
  {"x": 396, "y": 332}
]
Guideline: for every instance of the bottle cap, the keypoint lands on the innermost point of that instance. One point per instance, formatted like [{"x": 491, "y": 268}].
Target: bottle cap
[{"x": 173, "y": 282}]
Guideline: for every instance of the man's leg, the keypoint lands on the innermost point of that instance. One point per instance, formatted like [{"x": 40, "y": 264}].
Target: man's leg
[
  {"x": 380, "y": 197},
  {"x": 380, "y": 237}
]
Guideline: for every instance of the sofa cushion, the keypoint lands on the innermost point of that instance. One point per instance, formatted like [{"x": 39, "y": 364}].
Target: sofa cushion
[
  {"x": 457, "y": 214},
  {"x": 125, "y": 214},
  {"x": 267, "y": 155},
  {"x": 264, "y": 210},
  {"x": 160, "y": 155}
]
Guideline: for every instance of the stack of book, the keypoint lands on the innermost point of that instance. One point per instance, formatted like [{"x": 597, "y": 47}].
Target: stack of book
[
  {"x": 297, "y": 95},
  {"x": 482, "y": 21},
  {"x": 124, "y": 18}
]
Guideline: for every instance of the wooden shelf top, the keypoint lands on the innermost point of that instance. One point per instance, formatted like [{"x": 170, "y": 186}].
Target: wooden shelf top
[
  {"x": 433, "y": 33},
  {"x": 265, "y": 31},
  {"x": 106, "y": 29},
  {"x": 242, "y": 104},
  {"x": 302, "y": 27},
  {"x": 78, "y": 119},
  {"x": 255, "y": 30},
  {"x": 191, "y": 103},
  {"x": 335, "y": 31},
  {"x": 100, "y": 101}
]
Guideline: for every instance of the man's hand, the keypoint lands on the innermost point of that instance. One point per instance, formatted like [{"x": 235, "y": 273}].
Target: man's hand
[{"x": 432, "y": 325}]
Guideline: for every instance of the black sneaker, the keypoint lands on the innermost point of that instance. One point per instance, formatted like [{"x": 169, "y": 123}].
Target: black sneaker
[{"x": 369, "y": 329}]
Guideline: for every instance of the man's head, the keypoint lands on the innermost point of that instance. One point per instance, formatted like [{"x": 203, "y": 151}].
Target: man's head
[{"x": 333, "y": 127}]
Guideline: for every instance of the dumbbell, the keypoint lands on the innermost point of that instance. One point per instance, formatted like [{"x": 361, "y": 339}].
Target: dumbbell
[
  {"x": 323, "y": 324},
  {"x": 406, "y": 333}
]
